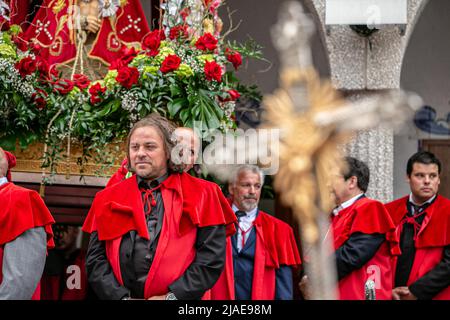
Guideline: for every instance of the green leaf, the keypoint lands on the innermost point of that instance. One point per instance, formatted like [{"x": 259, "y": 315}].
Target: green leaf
[
  {"x": 174, "y": 106},
  {"x": 184, "y": 115},
  {"x": 175, "y": 90},
  {"x": 8, "y": 143}
]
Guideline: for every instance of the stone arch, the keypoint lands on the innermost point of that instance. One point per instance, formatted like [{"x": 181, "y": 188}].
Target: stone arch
[{"x": 425, "y": 70}]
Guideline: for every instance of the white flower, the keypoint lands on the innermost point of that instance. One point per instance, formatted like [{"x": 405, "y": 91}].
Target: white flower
[{"x": 108, "y": 8}]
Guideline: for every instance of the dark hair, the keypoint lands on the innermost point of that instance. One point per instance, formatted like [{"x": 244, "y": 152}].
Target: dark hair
[
  {"x": 358, "y": 169},
  {"x": 423, "y": 157},
  {"x": 165, "y": 129}
]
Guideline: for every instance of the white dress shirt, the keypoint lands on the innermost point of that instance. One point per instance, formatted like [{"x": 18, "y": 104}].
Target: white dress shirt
[
  {"x": 3, "y": 181},
  {"x": 346, "y": 204},
  {"x": 419, "y": 204},
  {"x": 245, "y": 223}
]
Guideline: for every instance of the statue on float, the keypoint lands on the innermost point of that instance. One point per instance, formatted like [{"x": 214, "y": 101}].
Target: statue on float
[{"x": 86, "y": 36}]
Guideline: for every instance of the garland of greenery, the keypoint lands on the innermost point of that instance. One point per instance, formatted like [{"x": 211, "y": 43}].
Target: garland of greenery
[{"x": 187, "y": 79}]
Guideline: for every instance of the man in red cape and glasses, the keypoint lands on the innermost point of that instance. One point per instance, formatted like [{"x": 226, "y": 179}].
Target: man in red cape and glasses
[
  {"x": 25, "y": 236},
  {"x": 101, "y": 27},
  {"x": 422, "y": 235},
  {"x": 160, "y": 234}
]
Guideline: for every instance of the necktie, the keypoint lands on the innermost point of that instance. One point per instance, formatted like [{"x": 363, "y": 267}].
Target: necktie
[
  {"x": 149, "y": 202},
  {"x": 412, "y": 217},
  {"x": 148, "y": 197},
  {"x": 239, "y": 215}
]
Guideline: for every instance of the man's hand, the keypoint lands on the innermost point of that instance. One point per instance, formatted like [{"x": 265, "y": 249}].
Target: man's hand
[
  {"x": 304, "y": 289},
  {"x": 402, "y": 293}
]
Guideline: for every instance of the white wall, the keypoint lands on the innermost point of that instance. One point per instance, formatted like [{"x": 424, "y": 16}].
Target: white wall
[{"x": 426, "y": 71}]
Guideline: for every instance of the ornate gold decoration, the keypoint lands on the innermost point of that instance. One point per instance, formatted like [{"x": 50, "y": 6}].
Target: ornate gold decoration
[
  {"x": 307, "y": 151},
  {"x": 58, "y": 6},
  {"x": 30, "y": 160}
]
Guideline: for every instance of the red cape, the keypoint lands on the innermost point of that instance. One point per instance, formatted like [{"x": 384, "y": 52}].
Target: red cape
[
  {"x": 432, "y": 237},
  {"x": 435, "y": 231},
  {"x": 118, "y": 209},
  {"x": 366, "y": 216},
  {"x": 11, "y": 163},
  {"x": 121, "y": 198},
  {"x": 275, "y": 246},
  {"x": 120, "y": 174},
  {"x": 128, "y": 27},
  {"x": 20, "y": 9},
  {"x": 22, "y": 209}
]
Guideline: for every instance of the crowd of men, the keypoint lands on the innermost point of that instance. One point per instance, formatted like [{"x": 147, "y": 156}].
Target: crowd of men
[{"x": 159, "y": 233}]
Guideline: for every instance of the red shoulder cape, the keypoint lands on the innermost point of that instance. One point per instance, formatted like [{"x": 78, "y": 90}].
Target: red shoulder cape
[
  {"x": 366, "y": 216},
  {"x": 279, "y": 240},
  {"x": 275, "y": 246},
  {"x": 432, "y": 237},
  {"x": 118, "y": 209},
  {"x": 435, "y": 230},
  {"x": 120, "y": 174},
  {"x": 22, "y": 209}
]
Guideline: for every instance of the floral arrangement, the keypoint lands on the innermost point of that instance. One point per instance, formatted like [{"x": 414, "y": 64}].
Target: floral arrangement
[{"x": 184, "y": 72}]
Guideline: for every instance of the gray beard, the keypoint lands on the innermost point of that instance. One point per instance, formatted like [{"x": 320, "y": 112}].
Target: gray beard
[{"x": 248, "y": 206}]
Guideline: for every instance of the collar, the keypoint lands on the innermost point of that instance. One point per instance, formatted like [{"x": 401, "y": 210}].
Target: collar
[
  {"x": 346, "y": 204},
  {"x": 3, "y": 181},
  {"x": 250, "y": 214},
  {"x": 421, "y": 204},
  {"x": 152, "y": 184}
]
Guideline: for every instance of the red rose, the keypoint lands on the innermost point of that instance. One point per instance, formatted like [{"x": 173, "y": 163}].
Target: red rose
[
  {"x": 178, "y": 32},
  {"x": 39, "y": 99},
  {"x": 213, "y": 71},
  {"x": 127, "y": 76},
  {"x": 96, "y": 91},
  {"x": 81, "y": 81},
  {"x": 234, "y": 57},
  {"x": 234, "y": 95},
  {"x": 152, "y": 41},
  {"x": 44, "y": 69},
  {"x": 185, "y": 12},
  {"x": 127, "y": 54},
  {"x": 206, "y": 42},
  {"x": 211, "y": 5},
  {"x": 35, "y": 47},
  {"x": 170, "y": 63},
  {"x": 53, "y": 73},
  {"x": 26, "y": 66},
  {"x": 117, "y": 64},
  {"x": 63, "y": 86}
]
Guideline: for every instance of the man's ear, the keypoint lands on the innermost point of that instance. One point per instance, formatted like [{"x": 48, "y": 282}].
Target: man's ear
[
  {"x": 353, "y": 182},
  {"x": 230, "y": 189}
]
